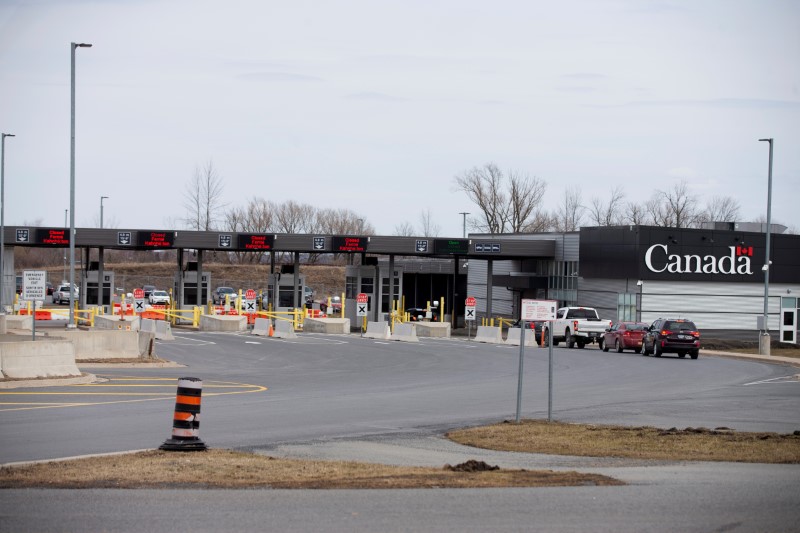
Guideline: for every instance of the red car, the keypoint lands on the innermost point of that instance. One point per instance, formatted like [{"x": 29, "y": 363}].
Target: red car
[{"x": 624, "y": 336}]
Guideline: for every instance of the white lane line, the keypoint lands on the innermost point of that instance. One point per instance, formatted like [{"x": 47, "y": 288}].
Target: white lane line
[
  {"x": 251, "y": 342},
  {"x": 782, "y": 379}
]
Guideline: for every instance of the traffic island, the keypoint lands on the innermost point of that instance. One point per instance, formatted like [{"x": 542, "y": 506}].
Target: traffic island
[
  {"x": 223, "y": 323},
  {"x": 339, "y": 326},
  {"x": 433, "y": 329}
]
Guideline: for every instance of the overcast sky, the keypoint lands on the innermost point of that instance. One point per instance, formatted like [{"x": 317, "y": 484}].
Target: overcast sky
[{"x": 376, "y": 105}]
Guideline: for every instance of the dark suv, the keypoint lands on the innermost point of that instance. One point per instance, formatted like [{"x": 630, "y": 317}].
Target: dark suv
[{"x": 672, "y": 335}]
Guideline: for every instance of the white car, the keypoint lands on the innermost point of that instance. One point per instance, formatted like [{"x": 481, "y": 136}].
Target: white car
[
  {"x": 61, "y": 294},
  {"x": 159, "y": 298}
]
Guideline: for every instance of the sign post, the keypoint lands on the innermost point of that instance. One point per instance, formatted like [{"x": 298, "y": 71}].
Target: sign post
[
  {"x": 34, "y": 288},
  {"x": 536, "y": 310},
  {"x": 469, "y": 314},
  {"x": 250, "y": 301},
  {"x": 362, "y": 308}
]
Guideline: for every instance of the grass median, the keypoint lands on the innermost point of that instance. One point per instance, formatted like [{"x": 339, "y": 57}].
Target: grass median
[{"x": 237, "y": 470}]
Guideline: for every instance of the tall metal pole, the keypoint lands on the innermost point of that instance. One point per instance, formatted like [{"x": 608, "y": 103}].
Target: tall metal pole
[
  {"x": 2, "y": 216},
  {"x": 464, "y": 230},
  {"x": 101, "y": 210},
  {"x": 64, "y": 273},
  {"x": 764, "y": 344},
  {"x": 72, "y": 48}
]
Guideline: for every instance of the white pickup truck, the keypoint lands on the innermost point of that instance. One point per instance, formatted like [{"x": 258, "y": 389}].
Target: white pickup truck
[{"x": 578, "y": 325}]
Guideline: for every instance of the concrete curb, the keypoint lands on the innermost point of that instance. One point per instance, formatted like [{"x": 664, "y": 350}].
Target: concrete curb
[{"x": 50, "y": 382}]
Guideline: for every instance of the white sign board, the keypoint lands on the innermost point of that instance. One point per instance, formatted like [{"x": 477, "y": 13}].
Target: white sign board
[
  {"x": 34, "y": 284},
  {"x": 361, "y": 309},
  {"x": 538, "y": 310},
  {"x": 469, "y": 313}
]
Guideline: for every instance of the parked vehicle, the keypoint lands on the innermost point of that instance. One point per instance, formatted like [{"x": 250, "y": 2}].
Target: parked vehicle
[
  {"x": 49, "y": 288},
  {"x": 61, "y": 294},
  {"x": 159, "y": 298},
  {"x": 218, "y": 296},
  {"x": 672, "y": 335},
  {"x": 624, "y": 336},
  {"x": 536, "y": 326},
  {"x": 417, "y": 314},
  {"x": 578, "y": 325},
  {"x": 148, "y": 290}
]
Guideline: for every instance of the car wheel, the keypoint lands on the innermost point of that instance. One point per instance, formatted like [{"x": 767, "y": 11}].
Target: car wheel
[
  {"x": 657, "y": 351},
  {"x": 570, "y": 339},
  {"x": 644, "y": 349},
  {"x": 694, "y": 353},
  {"x": 581, "y": 345},
  {"x": 637, "y": 350},
  {"x": 603, "y": 345},
  {"x": 618, "y": 346}
]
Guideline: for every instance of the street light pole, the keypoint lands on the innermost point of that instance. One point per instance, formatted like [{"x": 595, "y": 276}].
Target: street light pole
[
  {"x": 764, "y": 339},
  {"x": 72, "y": 48},
  {"x": 464, "y": 229},
  {"x": 2, "y": 217},
  {"x": 101, "y": 210}
]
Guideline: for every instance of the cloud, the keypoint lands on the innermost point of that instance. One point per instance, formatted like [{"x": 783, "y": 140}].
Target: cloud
[
  {"x": 584, "y": 76},
  {"x": 278, "y": 77},
  {"x": 375, "y": 96},
  {"x": 720, "y": 103}
]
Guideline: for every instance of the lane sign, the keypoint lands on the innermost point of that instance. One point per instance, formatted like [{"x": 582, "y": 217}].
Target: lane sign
[
  {"x": 362, "y": 309},
  {"x": 538, "y": 310},
  {"x": 470, "y": 301},
  {"x": 469, "y": 308},
  {"x": 362, "y": 298},
  {"x": 138, "y": 300},
  {"x": 249, "y": 301}
]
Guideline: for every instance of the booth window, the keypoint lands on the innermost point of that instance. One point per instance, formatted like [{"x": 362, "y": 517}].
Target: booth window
[
  {"x": 385, "y": 293},
  {"x": 351, "y": 287},
  {"x": 626, "y": 306},
  {"x": 562, "y": 282}
]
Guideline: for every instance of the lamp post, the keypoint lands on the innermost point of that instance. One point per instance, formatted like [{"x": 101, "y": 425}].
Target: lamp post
[
  {"x": 101, "y": 210},
  {"x": 764, "y": 338},
  {"x": 72, "y": 48},
  {"x": 2, "y": 216},
  {"x": 464, "y": 228}
]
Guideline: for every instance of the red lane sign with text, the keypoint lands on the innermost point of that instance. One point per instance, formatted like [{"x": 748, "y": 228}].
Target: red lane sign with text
[
  {"x": 362, "y": 298},
  {"x": 250, "y": 294},
  {"x": 138, "y": 294},
  {"x": 470, "y": 301}
]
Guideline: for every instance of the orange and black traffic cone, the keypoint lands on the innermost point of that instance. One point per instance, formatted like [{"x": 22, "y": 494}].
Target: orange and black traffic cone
[{"x": 186, "y": 422}]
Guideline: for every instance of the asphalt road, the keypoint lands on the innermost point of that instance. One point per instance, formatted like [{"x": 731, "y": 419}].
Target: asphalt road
[{"x": 347, "y": 397}]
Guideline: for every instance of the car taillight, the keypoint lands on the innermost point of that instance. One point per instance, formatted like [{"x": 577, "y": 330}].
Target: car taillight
[
  {"x": 665, "y": 332},
  {"x": 575, "y": 325},
  {"x": 627, "y": 334},
  {"x": 695, "y": 333}
]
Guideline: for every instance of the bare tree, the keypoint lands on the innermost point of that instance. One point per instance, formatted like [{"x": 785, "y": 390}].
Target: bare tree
[
  {"x": 483, "y": 185},
  {"x": 636, "y": 214},
  {"x": 610, "y": 214},
  {"x": 569, "y": 215},
  {"x": 292, "y": 217},
  {"x": 675, "y": 208},
  {"x": 525, "y": 200},
  {"x": 404, "y": 230},
  {"x": 429, "y": 227},
  {"x": 721, "y": 209},
  {"x": 203, "y": 198}
]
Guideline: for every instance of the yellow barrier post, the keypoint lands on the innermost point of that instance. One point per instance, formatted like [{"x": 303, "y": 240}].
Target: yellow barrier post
[
  {"x": 343, "y": 315},
  {"x": 441, "y": 309}
]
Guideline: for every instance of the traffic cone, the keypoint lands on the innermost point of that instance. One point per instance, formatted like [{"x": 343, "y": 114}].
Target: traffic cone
[
  {"x": 271, "y": 332},
  {"x": 186, "y": 421}
]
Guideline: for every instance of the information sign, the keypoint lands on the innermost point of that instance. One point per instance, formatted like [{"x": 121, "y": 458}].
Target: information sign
[
  {"x": 349, "y": 244},
  {"x": 155, "y": 239},
  {"x": 249, "y": 301},
  {"x": 138, "y": 300},
  {"x": 34, "y": 284},
  {"x": 451, "y": 246},
  {"x": 469, "y": 308},
  {"x": 255, "y": 241},
  {"x": 52, "y": 236},
  {"x": 538, "y": 310}
]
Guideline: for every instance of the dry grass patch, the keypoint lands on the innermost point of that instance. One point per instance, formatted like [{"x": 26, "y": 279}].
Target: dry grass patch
[
  {"x": 238, "y": 470},
  {"x": 699, "y": 444}
]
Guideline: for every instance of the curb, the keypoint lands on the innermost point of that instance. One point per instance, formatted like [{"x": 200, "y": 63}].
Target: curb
[{"x": 50, "y": 382}]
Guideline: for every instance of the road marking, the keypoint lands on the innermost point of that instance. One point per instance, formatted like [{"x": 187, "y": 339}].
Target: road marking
[
  {"x": 127, "y": 387},
  {"x": 251, "y": 342},
  {"x": 782, "y": 379}
]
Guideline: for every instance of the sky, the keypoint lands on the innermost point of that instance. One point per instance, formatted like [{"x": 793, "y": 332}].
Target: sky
[{"x": 375, "y": 106}]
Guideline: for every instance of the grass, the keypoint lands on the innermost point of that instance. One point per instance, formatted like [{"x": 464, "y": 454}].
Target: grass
[{"x": 238, "y": 470}]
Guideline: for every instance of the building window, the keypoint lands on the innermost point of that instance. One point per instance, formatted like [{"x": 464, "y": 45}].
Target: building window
[
  {"x": 626, "y": 306},
  {"x": 351, "y": 287},
  {"x": 385, "y": 300},
  {"x": 562, "y": 282}
]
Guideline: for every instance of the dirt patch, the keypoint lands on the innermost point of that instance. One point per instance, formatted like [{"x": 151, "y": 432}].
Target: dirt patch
[
  {"x": 690, "y": 444},
  {"x": 472, "y": 466},
  {"x": 237, "y": 470}
]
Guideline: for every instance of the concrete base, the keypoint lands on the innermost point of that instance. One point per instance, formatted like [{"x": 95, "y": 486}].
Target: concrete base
[
  {"x": 514, "y": 336},
  {"x": 223, "y": 323},
  {"x": 261, "y": 327},
  {"x": 39, "y": 359},
  {"x": 433, "y": 329},
  {"x": 3, "y": 326},
  {"x": 327, "y": 325},
  {"x": 490, "y": 334},
  {"x": 130, "y": 323},
  {"x": 160, "y": 328},
  {"x": 284, "y": 330},
  {"x": 377, "y": 330},
  {"x": 404, "y": 332},
  {"x": 764, "y": 341}
]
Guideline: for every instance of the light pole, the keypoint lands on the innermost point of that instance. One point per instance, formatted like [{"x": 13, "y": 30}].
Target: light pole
[
  {"x": 72, "y": 48},
  {"x": 764, "y": 339},
  {"x": 464, "y": 230},
  {"x": 101, "y": 210},
  {"x": 2, "y": 216}
]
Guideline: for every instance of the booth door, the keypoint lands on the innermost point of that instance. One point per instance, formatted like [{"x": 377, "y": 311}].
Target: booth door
[{"x": 788, "y": 331}]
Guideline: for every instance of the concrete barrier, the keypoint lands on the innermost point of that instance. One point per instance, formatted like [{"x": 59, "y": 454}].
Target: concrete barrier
[
  {"x": 377, "y": 330},
  {"x": 514, "y": 336},
  {"x": 261, "y": 327},
  {"x": 160, "y": 328},
  {"x": 327, "y": 325},
  {"x": 490, "y": 334},
  {"x": 223, "y": 323},
  {"x": 24, "y": 322},
  {"x": 433, "y": 329},
  {"x": 284, "y": 329},
  {"x": 107, "y": 344},
  {"x": 3, "y": 326},
  {"x": 404, "y": 332},
  {"x": 130, "y": 323},
  {"x": 39, "y": 359}
]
